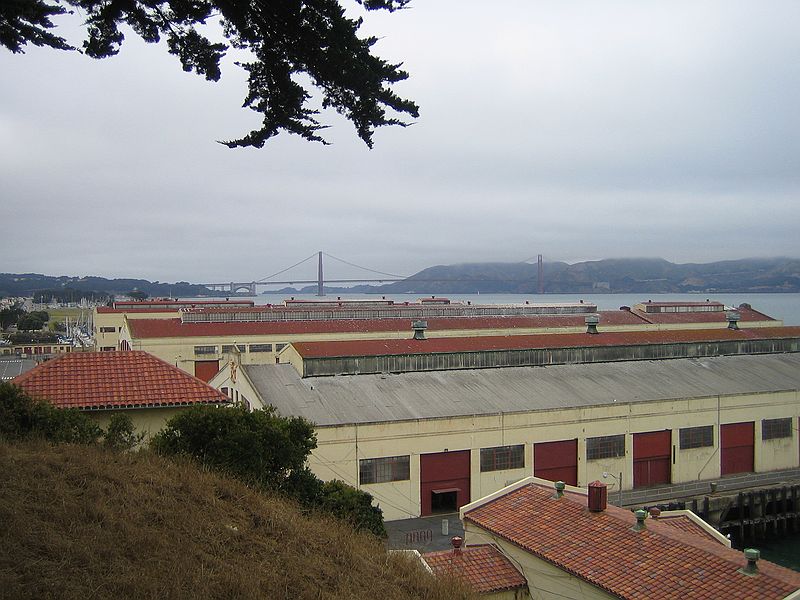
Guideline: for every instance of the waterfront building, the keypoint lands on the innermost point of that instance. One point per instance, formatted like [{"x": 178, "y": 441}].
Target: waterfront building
[
  {"x": 426, "y": 425},
  {"x": 200, "y": 340}
]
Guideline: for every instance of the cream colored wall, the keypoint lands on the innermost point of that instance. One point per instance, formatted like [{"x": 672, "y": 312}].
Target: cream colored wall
[
  {"x": 146, "y": 420},
  {"x": 545, "y": 580},
  {"x": 340, "y": 448},
  {"x": 242, "y": 385}
]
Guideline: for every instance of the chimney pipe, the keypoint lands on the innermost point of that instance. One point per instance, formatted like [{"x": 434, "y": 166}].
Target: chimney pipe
[
  {"x": 591, "y": 323},
  {"x": 456, "y": 541},
  {"x": 751, "y": 568},
  {"x": 419, "y": 328},
  {"x": 733, "y": 319},
  {"x": 598, "y": 496}
]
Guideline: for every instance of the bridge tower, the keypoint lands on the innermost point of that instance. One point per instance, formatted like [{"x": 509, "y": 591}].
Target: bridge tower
[
  {"x": 541, "y": 275},
  {"x": 320, "y": 279}
]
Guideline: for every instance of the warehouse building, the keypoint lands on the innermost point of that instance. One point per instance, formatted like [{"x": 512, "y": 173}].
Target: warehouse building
[
  {"x": 427, "y": 425},
  {"x": 200, "y": 340}
]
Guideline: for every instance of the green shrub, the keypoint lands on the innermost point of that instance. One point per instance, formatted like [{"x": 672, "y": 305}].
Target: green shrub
[
  {"x": 23, "y": 417},
  {"x": 257, "y": 447},
  {"x": 121, "y": 433},
  {"x": 352, "y": 505}
]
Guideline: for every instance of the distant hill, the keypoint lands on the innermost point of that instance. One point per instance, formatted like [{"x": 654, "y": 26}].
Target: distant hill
[
  {"x": 616, "y": 275},
  {"x": 82, "y": 522},
  {"x": 26, "y": 284}
]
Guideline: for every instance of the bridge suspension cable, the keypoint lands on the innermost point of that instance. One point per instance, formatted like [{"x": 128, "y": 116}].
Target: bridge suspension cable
[
  {"x": 341, "y": 260},
  {"x": 286, "y": 269}
]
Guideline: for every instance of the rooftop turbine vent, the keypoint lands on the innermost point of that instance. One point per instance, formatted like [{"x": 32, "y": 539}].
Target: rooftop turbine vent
[
  {"x": 751, "y": 568},
  {"x": 733, "y": 318},
  {"x": 591, "y": 323},
  {"x": 419, "y": 328}
]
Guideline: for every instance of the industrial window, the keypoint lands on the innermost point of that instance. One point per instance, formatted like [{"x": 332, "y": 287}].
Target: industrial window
[
  {"x": 107, "y": 349},
  {"x": 607, "y": 446},
  {"x": 229, "y": 348},
  {"x": 205, "y": 349},
  {"x": 260, "y": 347},
  {"x": 776, "y": 428},
  {"x": 279, "y": 347},
  {"x": 697, "y": 437},
  {"x": 380, "y": 470},
  {"x": 108, "y": 330},
  {"x": 502, "y": 457}
]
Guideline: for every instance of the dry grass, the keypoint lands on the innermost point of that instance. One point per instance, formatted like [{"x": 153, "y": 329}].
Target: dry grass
[{"x": 78, "y": 522}]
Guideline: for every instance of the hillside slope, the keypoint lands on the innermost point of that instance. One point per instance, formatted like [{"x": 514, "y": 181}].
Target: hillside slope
[{"x": 81, "y": 522}]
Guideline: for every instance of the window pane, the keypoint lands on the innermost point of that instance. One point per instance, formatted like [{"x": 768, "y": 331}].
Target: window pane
[
  {"x": 607, "y": 446},
  {"x": 503, "y": 457},
  {"x": 380, "y": 470},
  {"x": 697, "y": 437},
  {"x": 776, "y": 428}
]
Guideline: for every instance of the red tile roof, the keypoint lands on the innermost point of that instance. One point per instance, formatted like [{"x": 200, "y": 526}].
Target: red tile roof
[
  {"x": 746, "y": 315},
  {"x": 524, "y": 342},
  {"x": 483, "y": 567},
  {"x": 684, "y": 523},
  {"x": 105, "y": 380},
  {"x": 659, "y": 563},
  {"x": 161, "y": 328}
]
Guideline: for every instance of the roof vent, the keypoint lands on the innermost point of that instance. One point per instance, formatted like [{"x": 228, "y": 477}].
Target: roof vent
[
  {"x": 559, "y": 485},
  {"x": 733, "y": 319},
  {"x": 456, "y": 541},
  {"x": 751, "y": 568},
  {"x": 641, "y": 515},
  {"x": 419, "y": 328},
  {"x": 598, "y": 496},
  {"x": 591, "y": 323}
]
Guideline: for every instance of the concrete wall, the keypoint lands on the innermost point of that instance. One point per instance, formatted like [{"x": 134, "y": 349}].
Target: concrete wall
[{"x": 146, "y": 420}]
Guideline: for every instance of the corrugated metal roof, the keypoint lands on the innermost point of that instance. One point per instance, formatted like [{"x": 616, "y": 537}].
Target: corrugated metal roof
[
  {"x": 161, "y": 328},
  {"x": 439, "y": 394},
  {"x": 349, "y": 348}
]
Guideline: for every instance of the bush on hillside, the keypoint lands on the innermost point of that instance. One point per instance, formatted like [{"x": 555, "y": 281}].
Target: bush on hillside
[
  {"x": 267, "y": 450},
  {"x": 23, "y": 417},
  {"x": 257, "y": 447},
  {"x": 121, "y": 433}
]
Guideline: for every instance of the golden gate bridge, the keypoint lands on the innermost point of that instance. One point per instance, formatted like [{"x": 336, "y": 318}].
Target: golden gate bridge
[{"x": 251, "y": 287}]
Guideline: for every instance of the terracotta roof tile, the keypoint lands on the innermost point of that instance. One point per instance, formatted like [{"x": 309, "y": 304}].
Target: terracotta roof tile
[
  {"x": 659, "y": 563},
  {"x": 483, "y": 567},
  {"x": 161, "y": 328},
  {"x": 519, "y": 342},
  {"x": 105, "y": 380},
  {"x": 666, "y": 318}
]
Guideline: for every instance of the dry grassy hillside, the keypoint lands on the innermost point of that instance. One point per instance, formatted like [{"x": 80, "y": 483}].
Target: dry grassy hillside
[{"x": 81, "y": 522}]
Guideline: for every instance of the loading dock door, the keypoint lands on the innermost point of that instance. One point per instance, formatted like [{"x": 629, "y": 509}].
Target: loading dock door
[
  {"x": 556, "y": 461},
  {"x": 206, "y": 369},
  {"x": 652, "y": 453},
  {"x": 738, "y": 442},
  {"x": 444, "y": 481}
]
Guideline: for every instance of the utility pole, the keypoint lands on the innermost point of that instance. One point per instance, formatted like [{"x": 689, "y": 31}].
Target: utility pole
[{"x": 320, "y": 279}]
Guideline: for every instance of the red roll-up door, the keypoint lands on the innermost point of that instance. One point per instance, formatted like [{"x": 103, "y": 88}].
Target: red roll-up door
[
  {"x": 556, "y": 461},
  {"x": 738, "y": 443},
  {"x": 206, "y": 369},
  {"x": 444, "y": 481},
  {"x": 652, "y": 453}
]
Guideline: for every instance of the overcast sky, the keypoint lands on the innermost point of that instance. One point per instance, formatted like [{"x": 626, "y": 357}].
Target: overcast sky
[{"x": 579, "y": 130}]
